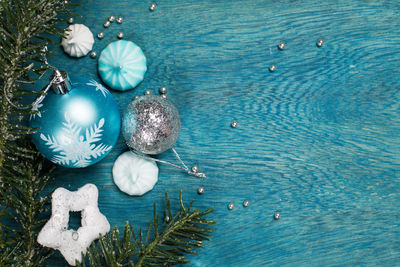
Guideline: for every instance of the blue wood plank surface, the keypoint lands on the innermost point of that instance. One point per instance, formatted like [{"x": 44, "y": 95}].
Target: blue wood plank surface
[{"x": 318, "y": 139}]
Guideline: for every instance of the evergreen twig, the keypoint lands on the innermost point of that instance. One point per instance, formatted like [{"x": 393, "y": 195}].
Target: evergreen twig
[
  {"x": 179, "y": 236},
  {"x": 25, "y": 26}
]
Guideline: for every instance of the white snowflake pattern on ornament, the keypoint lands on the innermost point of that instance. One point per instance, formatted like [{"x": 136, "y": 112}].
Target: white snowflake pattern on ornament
[
  {"x": 99, "y": 87},
  {"x": 35, "y": 107},
  {"x": 74, "y": 148}
]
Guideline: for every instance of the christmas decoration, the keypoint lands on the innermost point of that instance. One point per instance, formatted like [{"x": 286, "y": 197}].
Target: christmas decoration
[
  {"x": 79, "y": 40},
  {"x": 122, "y": 65},
  {"x": 134, "y": 175},
  {"x": 78, "y": 127},
  {"x": 181, "y": 233},
  {"x": 72, "y": 243},
  {"x": 150, "y": 125}
]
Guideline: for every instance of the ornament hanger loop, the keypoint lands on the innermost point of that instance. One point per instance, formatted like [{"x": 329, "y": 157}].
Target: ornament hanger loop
[{"x": 183, "y": 167}]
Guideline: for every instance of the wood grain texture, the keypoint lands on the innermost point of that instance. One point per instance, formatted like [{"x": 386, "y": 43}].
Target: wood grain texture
[{"x": 318, "y": 139}]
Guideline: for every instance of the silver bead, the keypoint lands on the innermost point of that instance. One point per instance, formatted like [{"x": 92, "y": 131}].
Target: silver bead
[
  {"x": 119, "y": 20},
  {"x": 120, "y": 35},
  {"x": 281, "y": 46},
  {"x": 234, "y": 124},
  {"x": 320, "y": 43},
  {"x": 163, "y": 90},
  {"x": 66, "y": 2},
  {"x": 147, "y": 92},
  {"x": 272, "y": 68},
  {"x": 277, "y": 215},
  {"x": 100, "y": 35},
  {"x": 70, "y": 20},
  {"x": 166, "y": 219},
  {"x": 195, "y": 168},
  {"x": 200, "y": 190},
  {"x": 93, "y": 54},
  {"x": 152, "y": 6},
  {"x": 246, "y": 203},
  {"x": 164, "y": 96},
  {"x": 75, "y": 235},
  {"x": 111, "y": 18},
  {"x": 106, "y": 24},
  {"x": 231, "y": 206},
  {"x": 136, "y": 97}
]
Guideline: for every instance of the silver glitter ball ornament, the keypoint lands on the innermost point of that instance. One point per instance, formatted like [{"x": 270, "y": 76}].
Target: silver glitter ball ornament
[
  {"x": 120, "y": 35},
  {"x": 281, "y": 46},
  {"x": 100, "y": 35},
  {"x": 107, "y": 24},
  {"x": 277, "y": 215},
  {"x": 93, "y": 54},
  {"x": 231, "y": 206},
  {"x": 70, "y": 20},
  {"x": 152, "y": 6},
  {"x": 200, "y": 190},
  {"x": 151, "y": 125},
  {"x": 163, "y": 90},
  {"x": 272, "y": 68},
  {"x": 234, "y": 124},
  {"x": 111, "y": 18},
  {"x": 119, "y": 20},
  {"x": 246, "y": 203},
  {"x": 320, "y": 43}
]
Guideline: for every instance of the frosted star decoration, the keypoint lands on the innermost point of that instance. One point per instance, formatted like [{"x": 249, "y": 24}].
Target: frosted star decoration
[{"x": 55, "y": 234}]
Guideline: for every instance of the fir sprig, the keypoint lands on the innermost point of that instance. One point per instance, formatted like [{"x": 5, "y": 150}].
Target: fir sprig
[
  {"x": 179, "y": 235},
  {"x": 25, "y": 26}
]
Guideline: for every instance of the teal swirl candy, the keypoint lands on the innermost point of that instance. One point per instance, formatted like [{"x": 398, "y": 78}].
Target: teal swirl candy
[{"x": 122, "y": 65}]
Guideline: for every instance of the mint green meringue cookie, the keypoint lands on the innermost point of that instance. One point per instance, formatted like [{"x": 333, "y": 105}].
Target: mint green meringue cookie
[
  {"x": 122, "y": 65},
  {"x": 134, "y": 175}
]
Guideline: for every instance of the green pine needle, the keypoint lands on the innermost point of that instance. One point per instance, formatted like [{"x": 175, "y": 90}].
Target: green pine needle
[{"x": 182, "y": 234}]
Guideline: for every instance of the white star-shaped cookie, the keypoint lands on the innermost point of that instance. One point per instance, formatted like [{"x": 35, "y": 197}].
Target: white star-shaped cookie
[{"x": 71, "y": 243}]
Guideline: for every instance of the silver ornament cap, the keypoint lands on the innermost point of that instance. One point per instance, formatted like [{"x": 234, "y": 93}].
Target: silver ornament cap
[{"x": 151, "y": 125}]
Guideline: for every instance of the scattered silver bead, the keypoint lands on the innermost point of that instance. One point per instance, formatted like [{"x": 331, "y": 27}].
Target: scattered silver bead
[
  {"x": 281, "y": 46},
  {"x": 231, "y": 206},
  {"x": 93, "y": 54},
  {"x": 120, "y": 35},
  {"x": 166, "y": 219},
  {"x": 272, "y": 68},
  {"x": 164, "y": 96},
  {"x": 136, "y": 97},
  {"x": 277, "y": 215},
  {"x": 111, "y": 18},
  {"x": 246, "y": 203},
  {"x": 66, "y": 2},
  {"x": 152, "y": 6},
  {"x": 163, "y": 90},
  {"x": 100, "y": 35},
  {"x": 119, "y": 20},
  {"x": 75, "y": 235},
  {"x": 147, "y": 92},
  {"x": 107, "y": 24},
  {"x": 200, "y": 190},
  {"x": 320, "y": 43},
  {"x": 234, "y": 124},
  {"x": 70, "y": 20},
  {"x": 195, "y": 168}
]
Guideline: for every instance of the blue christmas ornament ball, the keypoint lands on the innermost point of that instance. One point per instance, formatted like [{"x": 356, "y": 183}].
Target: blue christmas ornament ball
[{"x": 79, "y": 128}]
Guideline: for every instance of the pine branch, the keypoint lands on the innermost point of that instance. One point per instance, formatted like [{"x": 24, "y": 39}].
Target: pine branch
[
  {"x": 26, "y": 209},
  {"x": 179, "y": 236}
]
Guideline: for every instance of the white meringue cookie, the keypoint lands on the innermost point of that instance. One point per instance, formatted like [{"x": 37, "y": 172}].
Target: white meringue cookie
[
  {"x": 79, "y": 40},
  {"x": 134, "y": 175}
]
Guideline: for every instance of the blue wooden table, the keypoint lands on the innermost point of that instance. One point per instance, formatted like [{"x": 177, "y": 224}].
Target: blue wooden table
[{"x": 318, "y": 140}]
